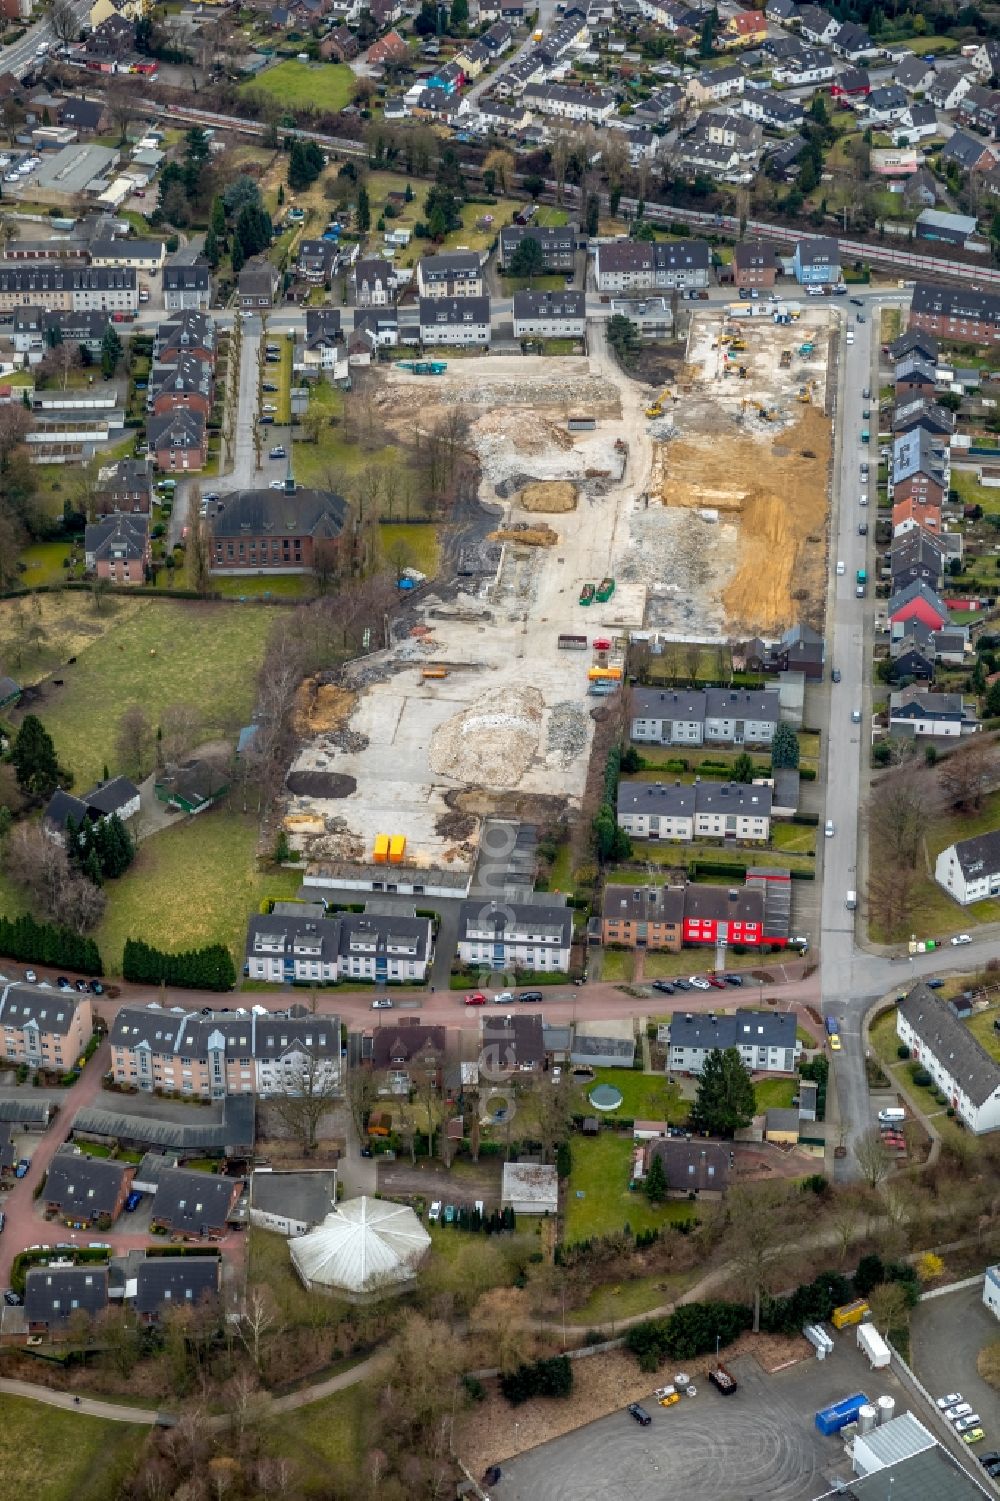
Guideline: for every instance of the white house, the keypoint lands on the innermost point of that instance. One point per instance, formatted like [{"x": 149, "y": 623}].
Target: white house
[
  {"x": 991, "y": 1290},
  {"x": 592, "y": 106},
  {"x": 699, "y": 810},
  {"x": 765, "y": 1040},
  {"x": 455, "y": 320},
  {"x": 515, "y": 935},
  {"x": 297, "y": 943},
  {"x": 969, "y": 869},
  {"x": 915, "y": 711},
  {"x": 549, "y": 315},
  {"x": 959, "y": 1065}
]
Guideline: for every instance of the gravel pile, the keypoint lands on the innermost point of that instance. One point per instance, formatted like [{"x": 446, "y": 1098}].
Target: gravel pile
[
  {"x": 348, "y": 740},
  {"x": 566, "y": 734},
  {"x": 492, "y": 742}
]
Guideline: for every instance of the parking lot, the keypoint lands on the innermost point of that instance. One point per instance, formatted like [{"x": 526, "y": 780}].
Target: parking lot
[
  {"x": 947, "y": 1334},
  {"x": 760, "y": 1443}
]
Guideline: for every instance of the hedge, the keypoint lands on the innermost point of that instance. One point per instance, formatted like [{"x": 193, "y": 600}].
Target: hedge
[
  {"x": 210, "y": 968},
  {"x": 545, "y": 1378},
  {"x": 33, "y": 942}
]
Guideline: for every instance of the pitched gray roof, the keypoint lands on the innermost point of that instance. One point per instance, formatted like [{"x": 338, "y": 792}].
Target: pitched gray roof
[
  {"x": 277, "y": 513},
  {"x": 305, "y": 1196},
  {"x": 51, "y": 1294},
  {"x": 84, "y": 1186},
  {"x": 51, "y": 1010},
  {"x": 747, "y": 1028},
  {"x": 165, "y": 1281},
  {"x": 952, "y": 1044},
  {"x": 980, "y": 854},
  {"x": 194, "y": 1203}
]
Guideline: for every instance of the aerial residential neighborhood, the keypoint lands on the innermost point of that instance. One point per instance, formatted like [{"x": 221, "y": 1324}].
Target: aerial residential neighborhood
[{"x": 499, "y": 761}]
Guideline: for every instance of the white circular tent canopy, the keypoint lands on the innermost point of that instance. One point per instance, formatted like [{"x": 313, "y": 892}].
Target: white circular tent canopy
[{"x": 365, "y": 1246}]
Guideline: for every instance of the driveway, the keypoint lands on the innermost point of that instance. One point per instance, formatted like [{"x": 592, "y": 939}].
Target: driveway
[{"x": 946, "y": 1335}]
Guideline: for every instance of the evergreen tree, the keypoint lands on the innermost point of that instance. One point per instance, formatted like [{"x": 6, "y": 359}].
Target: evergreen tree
[
  {"x": 92, "y": 867},
  {"x": 528, "y": 259},
  {"x": 742, "y": 769},
  {"x": 784, "y": 748},
  {"x": 238, "y": 257},
  {"x": 111, "y": 351},
  {"x": 656, "y": 1181},
  {"x": 459, "y": 14},
  {"x": 217, "y": 219},
  {"x": 212, "y": 247},
  {"x": 364, "y": 214},
  {"x": 34, "y": 759},
  {"x": 725, "y": 1099}
]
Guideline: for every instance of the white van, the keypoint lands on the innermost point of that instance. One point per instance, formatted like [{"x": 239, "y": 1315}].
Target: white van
[
  {"x": 852, "y": 900},
  {"x": 891, "y": 1116}
]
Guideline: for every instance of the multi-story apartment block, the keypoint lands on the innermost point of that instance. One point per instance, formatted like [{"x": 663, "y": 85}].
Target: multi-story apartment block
[
  {"x": 515, "y": 935},
  {"x": 969, "y": 869},
  {"x": 68, "y": 288},
  {"x": 223, "y": 1053},
  {"x": 298, "y": 944},
  {"x": 697, "y": 716},
  {"x": 956, "y": 1060},
  {"x": 457, "y": 273},
  {"x": 765, "y": 1040},
  {"x": 641, "y": 265},
  {"x": 698, "y": 810},
  {"x": 46, "y": 1029}
]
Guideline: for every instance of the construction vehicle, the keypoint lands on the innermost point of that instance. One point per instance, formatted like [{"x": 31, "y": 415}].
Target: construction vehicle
[
  {"x": 587, "y": 594},
  {"x": 806, "y": 393},
  {"x": 424, "y": 367},
  {"x": 743, "y": 372},
  {"x": 786, "y": 359},
  {"x": 806, "y": 349},
  {"x": 655, "y": 409},
  {"x": 764, "y": 413},
  {"x": 605, "y": 589},
  {"x": 738, "y": 345}
]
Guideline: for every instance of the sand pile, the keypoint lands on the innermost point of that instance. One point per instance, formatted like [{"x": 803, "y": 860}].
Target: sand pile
[
  {"x": 526, "y": 536},
  {"x": 550, "y": 495},
  {"x": 777, "y": 485},
  {"x": 321, "y": 706},
  {"x": 492, "y": 742}
]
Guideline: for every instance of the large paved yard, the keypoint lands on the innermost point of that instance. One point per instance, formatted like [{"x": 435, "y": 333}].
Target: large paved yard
[
  {"x": 760, "y": 1443},
  {"x": 946, "y": 1335}
]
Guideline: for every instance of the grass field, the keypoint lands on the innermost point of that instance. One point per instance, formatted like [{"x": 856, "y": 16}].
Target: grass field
[
  {"x": 796, "y": 838},
  {"x": 43, "y": 563},
  {"x": 638, "y": 1295},
  {"x": 602, "y": 1167},
  {"x": 416, "y": 546},
  {"x": 51, "y": 1455},
  {"x": 774, "y": 1094},
  {"x": 325, "y": 1441},
  {"x": 644, "y": 1096},
  {"x": 617, "y": 965},
  {"x": 885, "y": 1042},
  {"x": 194, "y": 884},
  {"x": 333, "y": 457},
  {"x": 326, "y": 86},
  {"x": 153, "y": 653},
  {"x": 932, "y": 913},
  {"x": 982, "y": 1028}
]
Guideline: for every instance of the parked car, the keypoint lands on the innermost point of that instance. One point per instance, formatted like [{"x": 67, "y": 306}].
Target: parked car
[
  {"x": 736, "y": 980},
  {"x": 974, "y": 1436},
  {"x": 434, "y": 1213},
  {"x": 268, "y": 385},
  {"x": 961, "y": 938},
  {"x": 683, "y": 985},
  {"x": 716, "y": 983},
  {"x": 836, "y": 674},
  {"x": 962, "y": 1410},
  {"x": 277, "y": 452},
  {"x": 266, "y": 420},
  {"x": 450, "y": 1213},
  {"x": 383, "y": 1003},
  {"x": 504, "y": 998},
  {"x": 556, "y": 1074},
  {"x": 475, "y": 998},
  {"x": 964, "y": 1424},
  {"x": 23, "y": 1166},
  {"x": 11, "y": 1299},
  {"x": 934, "y": 984},
  {"x": 640, "y": 1414},
  {"x": 664, "y": 987},
  {"x": 828, "y": 828},
  {"x": 133, "y": 1201},
  {"x": 698, "y": 982},
  {"x": 83, "y": 987},
  {"x": 210, "y": 495},
  {"x": 31, "y": 977},
  {"x": 63, "y": 983},
  {"x": 862, "y": 528},
  {"x": 855, "y": 716},
  {"x": 532, "y": 997},
  {"x": 97, "y": 987}
]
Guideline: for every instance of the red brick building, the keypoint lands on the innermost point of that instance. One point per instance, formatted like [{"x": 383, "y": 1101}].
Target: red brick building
[
  {"x": 274, "y": 531},
  {"x": 958, "y": 313},
  {"x": 755, "y": 264}
]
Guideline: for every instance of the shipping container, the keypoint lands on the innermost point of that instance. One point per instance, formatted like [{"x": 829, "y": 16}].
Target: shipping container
[
  {"x": 831, "y": 1419},
  {"x": 397, "y": 848},
  {"x": 381, "y": 854},
  {"x": 849, "y": 1313},
  {"x": 871, "y": 1343}
]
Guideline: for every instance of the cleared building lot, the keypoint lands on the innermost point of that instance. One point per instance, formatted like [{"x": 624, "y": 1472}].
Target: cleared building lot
[{"x": 760, "y": 1443}]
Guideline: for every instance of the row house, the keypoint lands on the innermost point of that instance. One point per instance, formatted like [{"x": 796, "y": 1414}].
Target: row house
[
  {"x": 917, "y": 603},
  {"x": 455, "y": 320},
  {"x": 773, "y": 110},
  {"x": 378, "y": 327},
  {"x": 86, "y": 1191},
  {"x": 299, "y": 944},
  {"x": 34, "y": 330},
  {"x": 921, "y": 466},
  {"x": 699, "y": 810},
  {"x": 959, "y": 1065},
  {"x": 258, "y": 284},
  {"x": 515, "y": 935},
  {"x": 118, "y": 549},
  {"x": 505, "y": 117},
  {"x": 915, "y": 554},
  {"x": 919, "y": 411},
  {"x": 46, "y": 1029},
  {"x": 755, "y": 264},
  {"x": 187, "y": 384},
  {"x": 958, "y": 313},
  {"x": 700, "y": 716},
  {"x": 455, "y": 273},
  {"x": 143, "y": 255},
  {"x": 806, "y": 67},
  {"x": 716, "y": 85},
  {"x": 816, "y": 262},
  {"x": 192, "y": 1205},
  {"x": 949, "y": 86},
  {"x": 189, "y": 331},
  {"x": 563, "y": 102},
  {"x": 915, "y": 650},
  {"x": 765, "y": 1040},
  {"x": 913, "y": 511},
  {"x": 224, "y": 1053},
  {"x": 53, "y": 1294},
  {"x": 126, "y": 485},
  {"x": 980, "y": 109},
  {"x": 648, "y": 266},
  {"x": 68, "y": 288},
  {"x": 402, "y": 1056},
  {"x": 670, "y": 917},
  {"x": 549, "y": 315}
]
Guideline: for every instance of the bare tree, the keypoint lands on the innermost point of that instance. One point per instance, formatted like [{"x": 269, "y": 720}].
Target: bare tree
[
  {"x": 64, "y": 22},
  {"x": 132, "y": 741},
  {"x": 759, "y": 1230},
  {"x": 967, "y": 773},
  {"x": 888, "y": 1303},
  {"x": 873, "y": 1158},
  {"x": 180, "y": 728},
  {"x": 124, "y": 104},
  {"x": 897, "y": 812},
  {"x": 503, "y": 166},
  {"x": 258, "y": 1323},
  {"x": 361, "y": 1092},
  {"x": 501, "y": 1318},
  {"x": 310, "y": 1087},
  {"x": 199, "y": 544}
]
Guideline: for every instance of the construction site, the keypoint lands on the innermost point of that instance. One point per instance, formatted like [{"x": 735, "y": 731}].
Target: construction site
[{"x": 700, "y": 512}]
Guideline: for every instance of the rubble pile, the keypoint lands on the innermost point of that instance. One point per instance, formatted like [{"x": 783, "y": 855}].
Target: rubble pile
[
  {"x": 492, "y": 742},
  {"x": 566, "y": 733}
]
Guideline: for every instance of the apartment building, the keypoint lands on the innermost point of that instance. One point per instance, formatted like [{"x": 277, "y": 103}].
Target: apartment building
[
  {"x": 298, "y": 943},
  {"x": 46, "y": 1029},
  {"x": 68, "y": 288},
  {"x": 515, "y": 935},
  {"x": 765, "y": 1040},
  {"x": 959, "y": 1065},
  {"x": 699, "y": 716},
  {"x": 454, "y": 320},
  {"x": 640, "y": 265},
  {"x": 969, "y": 869},
  {"x": 223, "y": 1053},
  {"x": 959, "y": 314},
  {"x": 457, "y": 273},
  {"x": 696, "y": 810},
  {"x": 549, "y": 315}
]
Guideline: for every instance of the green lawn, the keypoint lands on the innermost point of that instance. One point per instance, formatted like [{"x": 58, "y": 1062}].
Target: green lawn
[
  {"x": 190, "y": 885},
  {"x": 796, "y": 838},
  {"x": 885, "y": 1042},
  {"x": 644, "y": 1096},
  {"x": 936, "y": 44},
  {"x": 774, "y": 1094},
  {"x": 160, "y": 653},
  {"x": 602, "y": 1166},
  {"x": 43, "y": 563},
  {"x": 325, "y": 86},
  {"x": 51, "y": 1455},
  {"x": 932, "y": 912},
  {"x": 617, "y": 965},
  {"x": 325, "y": 1441},
  {"x": 638, "y": 1295},
  {"x": 512, "y": 284},
  {"x": 662, "y": 965},
  {"x": 981, "y": 1027},
  {"x": 281, "y": 586},
  {"x": 415, "y": 546}
]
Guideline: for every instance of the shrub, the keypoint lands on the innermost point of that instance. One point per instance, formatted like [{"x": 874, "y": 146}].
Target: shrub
[
  {"x": 921, "y": 1077},
  {"x": 902, "y": 1051},
  {"x": 544, "y": 1378}
]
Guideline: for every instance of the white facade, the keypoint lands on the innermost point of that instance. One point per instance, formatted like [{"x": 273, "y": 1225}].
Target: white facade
[
  {"x": 296, "y": 1072},
  {"x": 970, "y": 879},
  {"x": 584, "y": 105},
  {"x": 979, "y": 1118},
  {"x": 991, "y": 1290}
]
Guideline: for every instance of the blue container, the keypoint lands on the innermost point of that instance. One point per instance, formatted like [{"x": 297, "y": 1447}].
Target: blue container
[{"x": 832, "y": 1419}]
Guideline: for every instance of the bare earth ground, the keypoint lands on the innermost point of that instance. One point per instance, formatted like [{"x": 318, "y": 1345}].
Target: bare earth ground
[{"x": 604, "y": 1383}]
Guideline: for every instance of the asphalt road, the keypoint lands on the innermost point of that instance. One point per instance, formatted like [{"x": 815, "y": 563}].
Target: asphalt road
[{"x": 946, "y": 1335}]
